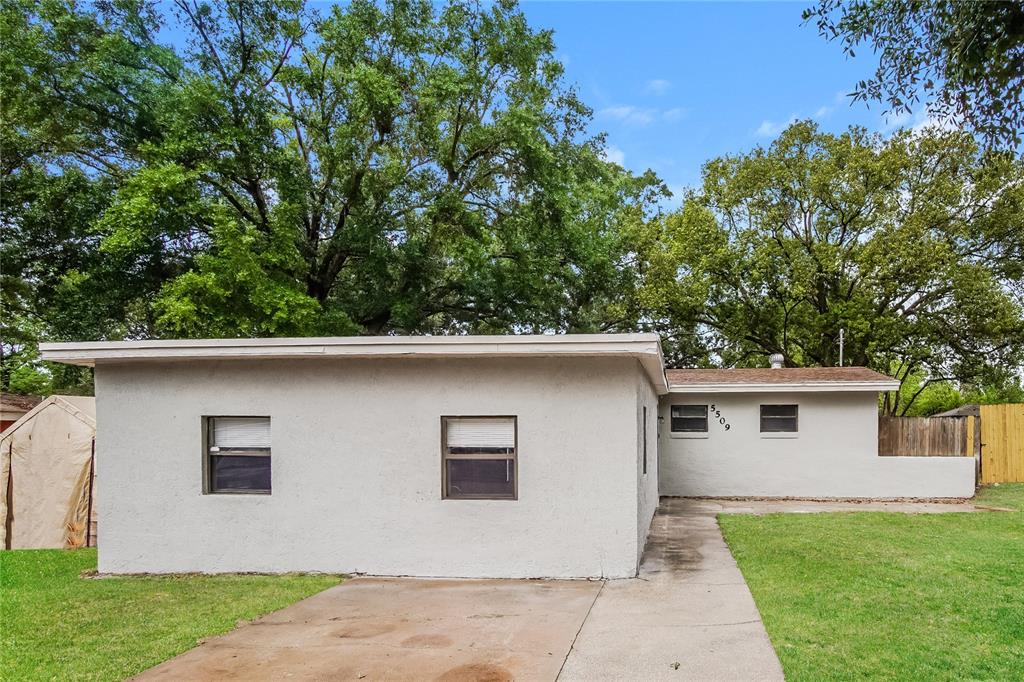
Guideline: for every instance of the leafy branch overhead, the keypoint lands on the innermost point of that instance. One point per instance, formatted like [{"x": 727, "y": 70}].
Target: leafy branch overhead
[{"x": 966, "y": 58}]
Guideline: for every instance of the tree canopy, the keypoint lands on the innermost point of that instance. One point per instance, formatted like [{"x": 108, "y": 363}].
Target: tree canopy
[
  {"x": 912, "y": 245},
  {"x": 965, "y": 56},
  {"x": 249, "y": 169},
  {"x": 228, "y": 169}
]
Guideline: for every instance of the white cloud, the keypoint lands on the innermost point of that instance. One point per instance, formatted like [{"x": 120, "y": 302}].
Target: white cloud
[
  {"x": 674, "y": 114},
  {"x": 927, "y": 120},
  {"x": 772, "y": 128},
  {"x": 642, "y": 116},
  {"x": 614, "y": 155},
  {"x": 891, "y": 121},
  {"x": 630, "y": 114},
  {"x": 822, "y": 112},
  {"x": 934, "y": 123},
  {"x": 657, "y": 87},
  {"x": 918, "y": 121}
]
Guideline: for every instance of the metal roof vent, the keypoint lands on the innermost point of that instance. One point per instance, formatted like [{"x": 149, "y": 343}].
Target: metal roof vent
[{"x": 776, "y": 359}]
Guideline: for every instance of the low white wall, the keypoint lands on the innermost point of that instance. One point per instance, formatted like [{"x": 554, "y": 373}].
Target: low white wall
[
  {"x": 833, "y": 455},
  {"x": 356, "y": 469}
]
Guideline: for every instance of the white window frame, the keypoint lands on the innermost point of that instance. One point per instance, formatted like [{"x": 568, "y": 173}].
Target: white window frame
[
  {"x": 690, "y": 434},
  {"x": 512, "y": 457},
  {"x": 210, "y": 449},
  {"x": 779, "y": 434}
]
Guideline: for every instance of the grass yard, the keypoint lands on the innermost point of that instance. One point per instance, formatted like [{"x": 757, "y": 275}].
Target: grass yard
[
  {"x": 55, "y": 624},
  {"x": 890, "y": 596}
]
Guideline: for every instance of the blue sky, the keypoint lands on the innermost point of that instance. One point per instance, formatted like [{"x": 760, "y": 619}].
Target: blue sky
[{"x": 674, "y": 84}]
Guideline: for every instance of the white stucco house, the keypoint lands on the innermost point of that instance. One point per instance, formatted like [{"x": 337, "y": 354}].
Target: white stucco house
[{"x": 470, "y": 456}]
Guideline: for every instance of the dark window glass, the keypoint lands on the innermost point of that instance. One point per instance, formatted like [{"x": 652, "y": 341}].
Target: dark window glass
[
  {"x": 239, "y": 472},
  {"x": 481, "y": 478},
  {"x": 778, "y": 418},
  {"x": 237, "y": 455},
  {"x": 479, "y": 457},
  {"x": 481, "y": 450},
  {"x": 689, "y": 418},
  {"x": 645, "y": 438}
]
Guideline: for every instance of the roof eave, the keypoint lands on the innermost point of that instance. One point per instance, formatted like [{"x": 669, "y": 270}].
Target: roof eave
[
  {"x": 789, "y": 387},
  {"x": 646, "y": 348}
]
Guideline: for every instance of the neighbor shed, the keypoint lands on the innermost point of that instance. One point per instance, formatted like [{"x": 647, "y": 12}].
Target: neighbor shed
[
  {"x": 47, "y": 472},
  {"x": 13, "y": 407}
]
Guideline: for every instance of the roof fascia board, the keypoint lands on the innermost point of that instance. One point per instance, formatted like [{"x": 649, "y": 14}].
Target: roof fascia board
[
  {"x": 645, "y": 347},
  {"x": 799, "y": 387}
]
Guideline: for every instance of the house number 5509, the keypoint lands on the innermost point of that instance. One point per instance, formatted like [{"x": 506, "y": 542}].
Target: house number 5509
[{"x": 718, "y": 415}]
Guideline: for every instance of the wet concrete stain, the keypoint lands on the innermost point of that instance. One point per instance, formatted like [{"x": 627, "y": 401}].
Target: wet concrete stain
[
  {"x": 428, "y": 641},
  {"x": 476, "y": 672},
  {"x": 365, "y": 630}
]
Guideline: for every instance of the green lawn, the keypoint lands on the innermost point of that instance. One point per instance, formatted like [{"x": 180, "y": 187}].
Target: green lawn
[
  {"x": 55, "y": 624},
  {"x": 890, "y": 596}
]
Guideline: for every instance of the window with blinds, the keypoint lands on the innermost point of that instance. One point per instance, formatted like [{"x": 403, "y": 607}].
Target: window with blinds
[
  {"x": 689, "y": 419},
  {"x": 779, "y": 418},
  {"x": 478, "y": 457},
  {"x": 237, "y": 458}
]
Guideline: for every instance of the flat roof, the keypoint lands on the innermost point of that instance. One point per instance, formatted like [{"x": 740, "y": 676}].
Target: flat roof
[
  {"x": 646, "y": 348},
  {"x": 778, "y": 380}
]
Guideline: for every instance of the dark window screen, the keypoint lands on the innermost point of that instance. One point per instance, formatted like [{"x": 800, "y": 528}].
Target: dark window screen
[
  {"x": 644, "y": 427},
  {"x": 689, "y": 418},
  {"x": 481, "y": 478},
  {"x": 239, "y": 472},
  {"x": 237, "y": 458},
  {"x": 778, "y": 418}
]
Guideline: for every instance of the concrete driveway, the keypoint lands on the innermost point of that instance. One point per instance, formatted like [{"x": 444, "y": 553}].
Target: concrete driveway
[{"x": 402, "y": 629}]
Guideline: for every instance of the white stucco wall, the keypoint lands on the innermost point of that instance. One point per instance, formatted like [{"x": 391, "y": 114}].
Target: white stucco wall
[
  {"x": 647, "y": 483},
  {"x": 357, "y": 468},
  {"x": 833, "y": 455}
]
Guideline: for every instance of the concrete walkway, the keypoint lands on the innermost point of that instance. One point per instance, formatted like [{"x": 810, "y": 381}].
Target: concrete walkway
[
  {"x": 689, "y": 616},
  {"x": 759, "y": 507}
]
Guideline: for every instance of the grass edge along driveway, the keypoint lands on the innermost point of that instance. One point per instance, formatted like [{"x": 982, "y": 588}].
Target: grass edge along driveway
[
  {"x": 890, "y": 596},
  {"x": 56, "y": 624}
]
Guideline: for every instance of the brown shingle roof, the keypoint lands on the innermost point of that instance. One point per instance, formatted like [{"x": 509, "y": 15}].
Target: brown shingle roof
[
  {"x": 783, "y": 375},
  {"x": 21, "y": 402}
]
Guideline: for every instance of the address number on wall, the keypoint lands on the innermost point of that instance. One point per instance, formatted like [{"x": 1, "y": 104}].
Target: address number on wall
[{"x": 717, "y": 416}]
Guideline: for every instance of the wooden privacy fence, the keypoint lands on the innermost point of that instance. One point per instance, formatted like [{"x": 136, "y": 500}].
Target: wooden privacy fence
[
  {"x": 1002, "y": 443},
  {"x": 926, "y": 436}
]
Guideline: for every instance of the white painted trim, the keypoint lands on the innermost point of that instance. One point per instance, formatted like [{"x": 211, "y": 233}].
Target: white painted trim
[
  {"x": 646, "y": 348},
  {"x": 688, "y": 434},
  {"x": 803, "y": 387}
]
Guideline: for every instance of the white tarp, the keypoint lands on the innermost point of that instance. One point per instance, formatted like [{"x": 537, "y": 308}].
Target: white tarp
[{"x": 46, "y": 463}]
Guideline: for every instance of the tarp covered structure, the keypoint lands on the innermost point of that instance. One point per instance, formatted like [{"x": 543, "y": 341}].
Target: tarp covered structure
[{"x": 46, "y": 475}]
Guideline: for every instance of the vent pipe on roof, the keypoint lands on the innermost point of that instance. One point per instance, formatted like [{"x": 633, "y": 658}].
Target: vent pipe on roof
[{"x": 776, "y": 359}]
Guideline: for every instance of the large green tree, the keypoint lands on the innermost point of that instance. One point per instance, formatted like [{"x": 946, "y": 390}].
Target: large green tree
[
  {"x": 258, "y": 168},
  {"x": 965, "y": 58},
  {"x": 913, "y": 245}
]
